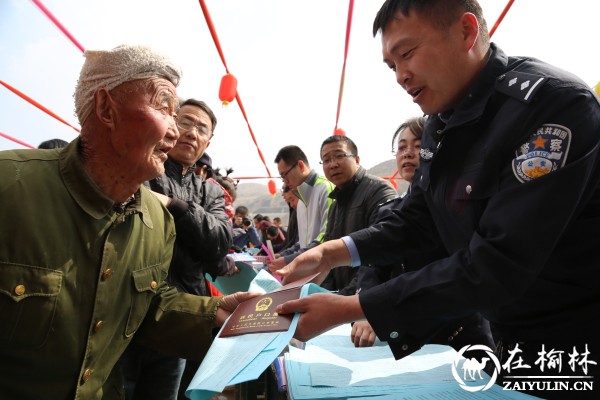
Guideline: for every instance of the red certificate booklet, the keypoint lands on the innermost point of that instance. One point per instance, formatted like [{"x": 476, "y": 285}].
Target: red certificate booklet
[{"x": 258, "y": 315}]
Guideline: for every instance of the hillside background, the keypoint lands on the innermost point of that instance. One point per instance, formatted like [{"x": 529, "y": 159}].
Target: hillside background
[{"x": 256, "y": 196}]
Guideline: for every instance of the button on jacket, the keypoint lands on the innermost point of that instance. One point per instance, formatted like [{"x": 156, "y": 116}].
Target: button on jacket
[
  {"x": 510, "y": 183},
  {"x": 79, "y": 278}
]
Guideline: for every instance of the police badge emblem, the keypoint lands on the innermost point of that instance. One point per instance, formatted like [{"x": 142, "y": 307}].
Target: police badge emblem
[
  {"x": 544, "y": 152},
  {"x": 426, "y": 154}
]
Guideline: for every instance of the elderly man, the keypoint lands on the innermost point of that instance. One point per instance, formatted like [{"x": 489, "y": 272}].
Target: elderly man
[
  {"x": 203, "y": 239},
  {"x": 85, "y": 248}
]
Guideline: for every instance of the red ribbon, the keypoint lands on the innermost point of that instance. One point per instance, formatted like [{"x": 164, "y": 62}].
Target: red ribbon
[
  {"x": 56, "y": 22},
  {"x": 16, "y": 140},
  {"x": 35, "y": 103},
  {"x": 343, "y": 77},
  {"x": 215, "y": 38}
]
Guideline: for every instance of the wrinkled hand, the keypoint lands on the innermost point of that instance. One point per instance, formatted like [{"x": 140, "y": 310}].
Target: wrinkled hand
[
  {"x": 321, "y": 312},
  {"x": 276, "y": 264},
  {"x": 229, "y": 303},
  {"x": 362, "y": 334},
  {"x": 318, "y": 259}
]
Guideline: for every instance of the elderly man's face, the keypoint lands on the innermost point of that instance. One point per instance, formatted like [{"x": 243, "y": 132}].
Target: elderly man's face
[{"x": 145, "y": 128}]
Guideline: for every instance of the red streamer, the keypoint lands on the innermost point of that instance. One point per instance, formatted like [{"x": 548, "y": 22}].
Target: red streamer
[
  {"x": 343, "y": 77},
  {"x": 35, "y": 103},
  {"x": 213, "y": 33},
  {"x": 16, "y": 140},
  {"x": 501, "y": 17},
  {"x": 215, "y": 38},
  {"x": 56, "y": 22}
]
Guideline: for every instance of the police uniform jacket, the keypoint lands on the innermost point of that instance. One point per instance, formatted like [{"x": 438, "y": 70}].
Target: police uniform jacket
[
  {"x": 509, "y": 181},
  {"x": 468, "y": 330}
]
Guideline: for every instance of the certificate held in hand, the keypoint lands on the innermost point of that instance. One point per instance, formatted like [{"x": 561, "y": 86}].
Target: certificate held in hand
[{"x": 258, "y": 315}]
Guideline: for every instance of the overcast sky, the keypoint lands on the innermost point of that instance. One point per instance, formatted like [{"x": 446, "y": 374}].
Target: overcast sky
[{"x": 287, "y": 56}]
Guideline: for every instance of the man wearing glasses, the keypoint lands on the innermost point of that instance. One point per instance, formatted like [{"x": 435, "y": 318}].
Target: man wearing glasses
[
  {"x": 203, "y": 238},
  {"x": 357, "y": 196},
  {"x": 312, "y": 190}
]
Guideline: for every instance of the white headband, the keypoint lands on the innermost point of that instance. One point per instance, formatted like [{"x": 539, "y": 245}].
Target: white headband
[{"x": 109, "y": 69}]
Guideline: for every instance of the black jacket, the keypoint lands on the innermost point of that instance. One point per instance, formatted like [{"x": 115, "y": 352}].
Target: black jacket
[
  {"x": 468, "y": 330},
  {"x": 201, "y": 224},
  {"x": 509, "y": 182},
  {"x": 355, "y": 207}
]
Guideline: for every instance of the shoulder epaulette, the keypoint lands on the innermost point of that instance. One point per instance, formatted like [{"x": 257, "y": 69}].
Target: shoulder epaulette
[{"x": 519, "y": 85}]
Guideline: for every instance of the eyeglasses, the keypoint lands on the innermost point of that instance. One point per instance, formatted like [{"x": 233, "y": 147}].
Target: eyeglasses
[
  {"x": 335, "y": 158},
  {"x": 284, "y": 175},
  {"x": 405, "y": 149},
  {"x": 187, "y": 125}
]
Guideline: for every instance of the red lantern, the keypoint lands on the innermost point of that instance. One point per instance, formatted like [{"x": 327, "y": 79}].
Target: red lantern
[
  {"x": 339, "y": 131},
  {"x": 272, "y": 187},
  {"x": 228, "y": 89}
]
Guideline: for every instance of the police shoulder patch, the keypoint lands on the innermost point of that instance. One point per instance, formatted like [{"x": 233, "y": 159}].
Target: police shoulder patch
[
  {"x": 545, "y": 151},
  {"x": 520, "y": 85}
]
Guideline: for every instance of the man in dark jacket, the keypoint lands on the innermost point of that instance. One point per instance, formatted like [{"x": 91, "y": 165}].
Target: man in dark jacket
[
  {"x": 203, "y": 239},
  {"x": 357, "y": 196}
]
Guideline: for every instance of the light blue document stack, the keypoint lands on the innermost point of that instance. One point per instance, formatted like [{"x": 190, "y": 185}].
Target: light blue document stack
[
  {"x": 238, "y": 359},
  {"x": 330, "y": 367}
]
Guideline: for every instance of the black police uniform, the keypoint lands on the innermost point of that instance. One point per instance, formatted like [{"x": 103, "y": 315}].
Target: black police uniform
[
  {"x": 468, "y": 330},
  {"x": 510, "y": 182}
]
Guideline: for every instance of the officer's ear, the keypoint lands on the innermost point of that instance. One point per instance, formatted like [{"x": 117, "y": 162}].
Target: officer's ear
[{"x": 469, "y": 27}]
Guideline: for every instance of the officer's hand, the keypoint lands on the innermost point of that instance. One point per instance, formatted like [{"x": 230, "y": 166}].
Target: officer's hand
[
  {"x": 362, "y": 334},
  {"x": 229, "y": 303},
  {"x": 318, "y": 259},
  {"x": 321, "y": 312}
]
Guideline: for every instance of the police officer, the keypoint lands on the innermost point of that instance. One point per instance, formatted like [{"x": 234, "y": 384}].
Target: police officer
[{"x": 509, "y": 181}]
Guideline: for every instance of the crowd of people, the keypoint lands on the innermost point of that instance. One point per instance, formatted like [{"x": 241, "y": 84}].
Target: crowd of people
[{"x": 492, "y": 244}]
